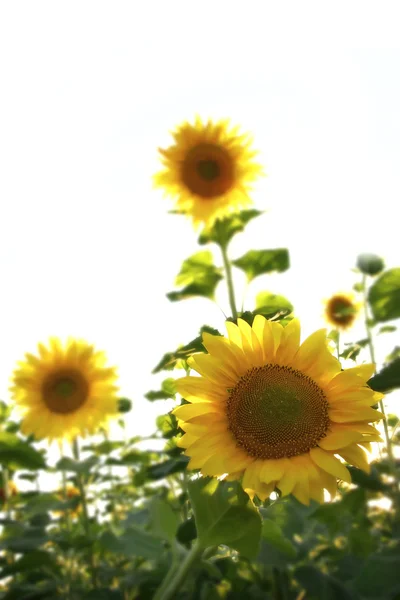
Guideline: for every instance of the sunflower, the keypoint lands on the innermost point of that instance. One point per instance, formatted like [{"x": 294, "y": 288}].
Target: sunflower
[
  {"x": 275, "y": 412},
  {"x": 69, "y": 493},
  {"x": 341, "y": 310},
  {"x": 65, "y": 391},
  {"x": 208, "y": 170}
]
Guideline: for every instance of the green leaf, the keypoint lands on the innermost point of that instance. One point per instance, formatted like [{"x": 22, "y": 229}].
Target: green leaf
[
  {"x": 320, "y": 586},
  {"x": 370, "y": 264},
  {"x": 134, "y": 542},
  {"x": 387, "y": 329},
  {"x": 168, "y": 425},
  {"x": 124, "y": 405},
  {"x": 369, "y": 481},
  {"x": 258, "y": 262},
  {"x": 223, "y": 230},
  {"x": 17, "y": 454},
  {"x": 387, "y": 379},
  {"x": 84, "y": 467},
  {"x": 198, "y": 277},
  {"x": 167, "y": 391},
  {"x": 379, "y": 576},
  {"x": 169, "y": 361},
  {"x": 272, "y": 533},
  {"x": 41, "y": 504},
  {"x": 225, "y": 515},
  {"x": 164, "y": 521},
  {"x": 38, "y": 559},
  {"x": 384, "y": 296},
  {"x": 269, "y": 305},
  {"x": 172, "y": 465}
]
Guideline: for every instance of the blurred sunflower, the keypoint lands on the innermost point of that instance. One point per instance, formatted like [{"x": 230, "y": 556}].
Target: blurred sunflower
[
  {"x": 209, "y": 170},
  {"x": 69, "y": 493},
  {"x": 65, "y": 391},
  {"x": 276, "y": 412},
  {"x": 341, "y": 310},
  {"x": 12, "y": 491}
]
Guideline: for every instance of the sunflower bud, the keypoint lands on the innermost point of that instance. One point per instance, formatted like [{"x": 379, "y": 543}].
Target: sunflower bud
[{"x": 370, "y": 264}]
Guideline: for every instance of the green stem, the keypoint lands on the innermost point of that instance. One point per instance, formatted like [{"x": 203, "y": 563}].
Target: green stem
[
  {"x": 85, "y": 512},
  {"x": 229, "y": 280},
  {"x": 373, "y": 360},
  {"x": 338, "y": 344},
  {"x": 168, "y": 591}
]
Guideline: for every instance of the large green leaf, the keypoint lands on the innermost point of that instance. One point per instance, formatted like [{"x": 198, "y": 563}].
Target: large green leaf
[
  {"x": 17, "y": 454},
  {"x": 380, "y": 575},
  {"x": 134, "y": 542},
  {"x": 172, "y": 465},
  {"x": 167, "y": 391},
  {"x": 198, "y": 277},
  {"x": 225, "y": 515},
  {"x": 384, "y": 296},
  {"x": 170, "y": 360},
  {"x": 272, "y": 533},
  {"x": 388, "y": 378},
  {"x": 164, "y": 521},
  {"x": 223, "y": 230},
  {"x": 269, "y": 304},
  {"x": 258, "y": 262}
]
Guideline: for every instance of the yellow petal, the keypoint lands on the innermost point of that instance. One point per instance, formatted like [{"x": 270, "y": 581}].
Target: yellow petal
[
  {"x": 198, "y": 389},
  {"x": 287, "y": 481},
  {"x": 361, "y": 414},
  {"x": 339, "y": 439},
  {"x": 220, "y": 347},
  {"x": 289, "y": 344},
  {"x": 354, "y": 455},
  {"x": 251, "y": 476},
  {"x": 330, "y": 464},
  {"x": 213, "y": 369},
  {"x": 272, "y": 469},
  {"x": 189, "y": 411},
  {"x": 314, "y": 358}
]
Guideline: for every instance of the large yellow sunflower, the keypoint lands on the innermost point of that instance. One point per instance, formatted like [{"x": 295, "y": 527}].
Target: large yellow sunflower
[
  {"x": 341, "y": 310},
  {"x": 276, "y": 412},
  {"x": 65, "y": 391},
  {"x": 208, "y": 170}
]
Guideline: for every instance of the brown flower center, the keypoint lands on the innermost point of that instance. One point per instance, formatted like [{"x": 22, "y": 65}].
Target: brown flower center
[
  {"x": 208, "y": 171},
  {"x": 341, "y": 311},
  {"x": 275, "y": 412},
  {"x": 65, "y": 391}
]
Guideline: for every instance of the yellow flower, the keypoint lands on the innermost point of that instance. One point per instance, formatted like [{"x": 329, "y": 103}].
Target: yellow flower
[
  {"x": 209, "y": 170},
  {"x": 70, "y": 492},
  {"x": 341, "y": 310},
  {"x": 65, "y": 391},
  {"x": 276, "y": 412}
]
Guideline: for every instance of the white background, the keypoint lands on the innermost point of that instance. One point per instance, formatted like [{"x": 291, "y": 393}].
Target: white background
[{"x": 90, "y": 89}]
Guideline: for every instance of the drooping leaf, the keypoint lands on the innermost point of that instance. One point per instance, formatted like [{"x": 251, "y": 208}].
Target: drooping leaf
[
  {"x": 387, "y": 379},
  {"x": 387, "y": 329},
  {"x": 369, "y": 481},
  {"x": 258, "y": 262},
  {"x": 170, "y": 360},
  {"x": 18, "y": 454},
  {"x": 167, "y": 391},
  {"x": 225, "y": 515},
  {"x": 198, "y": 277},
  {"x": 172, "y": 465},
  {"x": 224, "y": 229},
  {"x": 272, "y": 533},
  {"x": 384, "y": 296},
  {"x": 168, "y": 425},
  {"x": 83, "y": 467}
]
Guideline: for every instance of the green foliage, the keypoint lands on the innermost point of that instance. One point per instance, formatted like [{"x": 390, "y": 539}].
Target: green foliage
[
  {"x": 370, "y": 264},
  {"x": 18, "y": 454},
  {"x": 388, "y": 378},
  {"x": 320, "y": 586},
  {"x": 170, "y": 360},
  {"x": 198, "y": 277},
  {"x": 124, "y": 405},
  {"x": 133, "y": 542},
  {"x": 167, "y": 391},
  {"x": 224, "y": 229},
  {"x": 269, "y": 305},
  {"x": 258, "y": 262},
  {"x": 225, "y": 515},
  {"x": 384, "y": 296}
]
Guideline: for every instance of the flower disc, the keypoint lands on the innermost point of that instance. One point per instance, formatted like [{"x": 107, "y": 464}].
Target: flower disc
[
  {"x": 276, "y": 413},
  {"x": 65, "y": 391},
  {"x": 341, "y": 311}
]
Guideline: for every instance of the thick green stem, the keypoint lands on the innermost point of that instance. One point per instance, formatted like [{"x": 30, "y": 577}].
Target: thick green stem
[
  {"x": 168, "y": 591},
  {"x": 85, "y": 512},
  {"x": 373, "y": 360},
  {"x": 338, "y": 344}
]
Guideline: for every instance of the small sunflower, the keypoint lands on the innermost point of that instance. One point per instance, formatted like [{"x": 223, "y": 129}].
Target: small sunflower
[
  {"x": 276, "y": 412},
  {"x": 65, "y": 391},
  {"x": 209, "y": 170},
  {"x": 341, "y": 310}
]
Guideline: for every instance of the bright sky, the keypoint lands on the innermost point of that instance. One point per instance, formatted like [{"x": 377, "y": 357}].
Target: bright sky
[{"x": 90, "y": 89}]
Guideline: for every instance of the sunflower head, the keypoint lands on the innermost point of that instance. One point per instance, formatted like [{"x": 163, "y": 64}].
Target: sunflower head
[
  {"x": 276, "y": 413},
  {"x": 208, "y": 170},
  {"x": 12, "y": 491},
  {"x": 341, "y": 310},
  {"x": 65, "y": 391}
]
